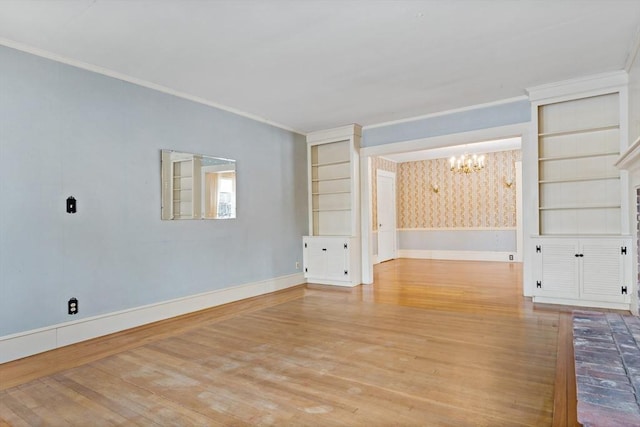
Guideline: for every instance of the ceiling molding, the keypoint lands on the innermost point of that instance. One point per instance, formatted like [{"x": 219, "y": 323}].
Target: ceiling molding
[
  {"x": 633, "y": 51},
  {"x": 571, "y": 87},
  {"x": 139, "y": 82}
]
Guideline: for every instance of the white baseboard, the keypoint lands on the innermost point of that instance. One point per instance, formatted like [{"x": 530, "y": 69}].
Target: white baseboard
[
  {"x": 321, "y": 281},
  {"x": 457, "y": 255},
  {"x": 23, "y": 344},
  {"x": 581, "y": 303}
]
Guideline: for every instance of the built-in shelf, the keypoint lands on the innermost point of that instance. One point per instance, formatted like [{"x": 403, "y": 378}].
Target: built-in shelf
[
  {"x": 580, "y": 255},
  {"x": 578, "y": 207},
  {"x": 581, "y": 156},
  {"x": 338, "y": 178},
  {"x": 582, "y": 179},
  {"x": 325, "y": 193},
  {"x": 579, "y": 131},
  {"x": 341, "y": 162},
  {"x": 331, "y": 251}
]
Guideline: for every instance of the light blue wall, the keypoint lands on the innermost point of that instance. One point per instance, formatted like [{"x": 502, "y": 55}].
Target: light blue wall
[
  {"x": 66, "y": 131},
  {"x": 447, "y": 124}
]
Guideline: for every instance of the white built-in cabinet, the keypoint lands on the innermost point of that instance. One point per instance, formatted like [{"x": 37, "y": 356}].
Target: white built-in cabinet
[
  {"x": 581, "y": 251},
  {"x": 583, "y": 271},
  {"x": 331, "y": 251},
  {"x": 330, "y": 260}
]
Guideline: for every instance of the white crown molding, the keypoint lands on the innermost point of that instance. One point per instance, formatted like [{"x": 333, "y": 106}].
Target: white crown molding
[
  {"x": 139, "y": 82},
  {"x": 447, "y": 112},
  {"x": 596, "y": 82},
  {"x": 334, "y": 134},
  {"x": 23, "y": 344},
  {"x": 633, "y": 51}
]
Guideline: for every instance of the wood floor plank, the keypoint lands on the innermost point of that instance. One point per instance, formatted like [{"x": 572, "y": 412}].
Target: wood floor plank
[{"x": 438, "y": 343}]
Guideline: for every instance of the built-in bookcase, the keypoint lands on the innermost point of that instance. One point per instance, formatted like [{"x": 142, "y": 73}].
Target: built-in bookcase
[
  {"x": 579, "y": 185},
  {"x": 581, "y": 251},
  {"x": 331, "y": 189},
  {"x": 331, "y": 251}
]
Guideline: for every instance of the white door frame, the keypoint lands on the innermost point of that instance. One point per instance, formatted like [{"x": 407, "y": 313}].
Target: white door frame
[
  {"x": 387, "y": 174},
  {"x": 525, "y": 221}
]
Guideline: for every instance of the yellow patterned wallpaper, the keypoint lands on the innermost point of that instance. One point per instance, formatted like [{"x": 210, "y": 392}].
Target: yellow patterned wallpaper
[
  {"x": 385, "y": 165},
  {"x": 477, "y": 200}
]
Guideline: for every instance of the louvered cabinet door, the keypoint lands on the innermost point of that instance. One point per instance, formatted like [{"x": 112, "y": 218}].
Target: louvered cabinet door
[
  {"x": 603, "y": 270},
  {"x": 557, "y": 273}
]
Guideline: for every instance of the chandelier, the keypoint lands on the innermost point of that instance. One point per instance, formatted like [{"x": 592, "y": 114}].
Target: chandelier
[{"x": 467, "y": 164}]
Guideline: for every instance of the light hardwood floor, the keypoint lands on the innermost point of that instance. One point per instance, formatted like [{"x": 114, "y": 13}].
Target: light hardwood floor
[{"x": 431, "y": 343}]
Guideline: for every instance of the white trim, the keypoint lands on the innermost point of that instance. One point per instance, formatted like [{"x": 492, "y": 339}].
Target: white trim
[
  {"x": 446, "y": 112},
  {"x": 580, "y": 303},
  {"x": 346, "y": 132},
  {"x": 519, "y": 214},
  {"x": 633, "y": 51},
  {"x": 460, "y": 229},
  {"x": 456, "y": 255},
  {"x": 630, "y": 159},
  {"x": 366, "y": 218},
  {"x": 450, "y": 140},
  {"x": 572, "y": 87},
  {"x": 318, "y": 281},
  {"x": 28, "y": 343},
  {"x": 520, "y": 130},
  {"x": 139, "y": 82}
]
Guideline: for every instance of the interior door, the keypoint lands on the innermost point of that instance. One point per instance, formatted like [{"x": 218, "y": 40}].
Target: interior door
[{"x": 386, "y": 209}]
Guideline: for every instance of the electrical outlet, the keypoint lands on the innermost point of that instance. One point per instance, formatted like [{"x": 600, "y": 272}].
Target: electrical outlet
[
  {"x": 72, "y": 306},
  {"x": 510, "y": 257},
  {"x": 297, "y": 265}
]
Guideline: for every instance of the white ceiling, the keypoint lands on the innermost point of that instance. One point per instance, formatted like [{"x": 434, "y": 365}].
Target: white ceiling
[{"x": 315, "y": 64}]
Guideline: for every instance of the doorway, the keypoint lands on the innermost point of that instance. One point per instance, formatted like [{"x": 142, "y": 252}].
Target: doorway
[{"x": 386, "y": 214}]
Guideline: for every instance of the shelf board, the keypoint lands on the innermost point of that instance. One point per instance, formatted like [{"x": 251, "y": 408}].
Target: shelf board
[
  {"x": 341, "y": 162},
  {"x": 582, "y": 207},
  {"x": 331, "y": 210},
  {"x": 330, "y": 192},
  {"x": 598, "y": 178},
  {"x": 578, "y": 131},
  {"x": 580, "y": 156},
  {"x": 339, "y": 178}
]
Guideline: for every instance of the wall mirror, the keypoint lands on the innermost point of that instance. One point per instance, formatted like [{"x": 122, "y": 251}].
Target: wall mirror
[{"x": 195, "y": 186}]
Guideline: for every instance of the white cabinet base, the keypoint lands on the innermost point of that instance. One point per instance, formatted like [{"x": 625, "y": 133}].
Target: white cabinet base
[
  {"x": 583, "y": 271},
  {"x": 580, "y": 303},
  {"x": 329, "y": 260}
]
